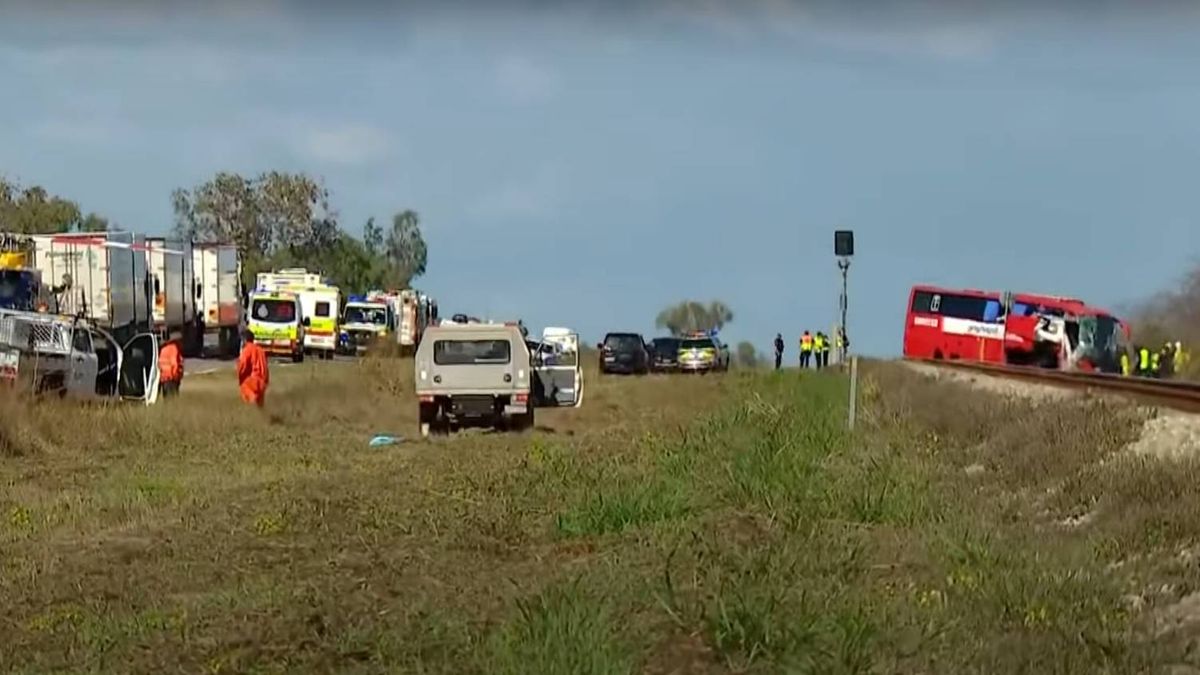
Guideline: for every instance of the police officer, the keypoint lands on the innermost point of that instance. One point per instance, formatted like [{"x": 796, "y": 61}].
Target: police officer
[{"x": 778, "y": 350}]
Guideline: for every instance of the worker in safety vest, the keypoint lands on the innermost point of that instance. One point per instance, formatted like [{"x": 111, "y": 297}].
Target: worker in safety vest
[
  {"x": 818, "y": 348},
  {"x": 778, "y": 350},
  {"x": 1125, "y": 365},
  {"x": 1181, "y": 357},
  {"x": 806, "y": 348},
  {"x": 253, "y": 374},
  {"x": 1143, "y": 365},
  {"x": 1155, "y": 365},
  {"x": 170, "y": 365}
]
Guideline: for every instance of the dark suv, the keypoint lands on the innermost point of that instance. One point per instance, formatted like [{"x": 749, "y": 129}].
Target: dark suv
[
  {"x": 624, "y": 353},
  {"x": 664, "y": 354}
]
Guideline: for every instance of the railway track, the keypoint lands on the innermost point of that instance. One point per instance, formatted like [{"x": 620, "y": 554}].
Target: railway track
[{"x": 1178, "y": 395}]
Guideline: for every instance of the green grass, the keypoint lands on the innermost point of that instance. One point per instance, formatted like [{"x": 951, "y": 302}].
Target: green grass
[{"x": 721, "y": 524}]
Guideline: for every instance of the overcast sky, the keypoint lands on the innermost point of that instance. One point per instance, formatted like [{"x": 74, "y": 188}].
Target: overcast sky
[{"x": 587, "y": 164}]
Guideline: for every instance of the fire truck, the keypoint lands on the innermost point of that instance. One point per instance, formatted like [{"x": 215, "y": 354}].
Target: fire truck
[
  {"x": 413, "y": 310},
  {"x": 1012, "y": 328}
]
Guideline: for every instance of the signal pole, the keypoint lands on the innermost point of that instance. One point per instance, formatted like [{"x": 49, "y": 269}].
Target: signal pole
[
  {"x": 844, "y": 266},
  {"x": 843, "y": 248}
]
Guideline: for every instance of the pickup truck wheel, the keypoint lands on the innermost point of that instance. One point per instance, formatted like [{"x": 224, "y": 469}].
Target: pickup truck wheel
[
  {"x": 426, "y": 418},
  {"x": 525, "y": 421}
]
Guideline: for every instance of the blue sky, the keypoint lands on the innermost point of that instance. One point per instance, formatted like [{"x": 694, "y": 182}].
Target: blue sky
[{"x": 588, "y": 164}]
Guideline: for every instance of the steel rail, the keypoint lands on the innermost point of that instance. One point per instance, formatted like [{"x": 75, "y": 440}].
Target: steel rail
[{"x": 1171, "y": 394}]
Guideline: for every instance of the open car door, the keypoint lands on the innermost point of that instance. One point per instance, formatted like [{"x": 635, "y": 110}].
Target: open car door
[
  {"x": 139, "y": 369},
  {"x": 559, "y": 368}
]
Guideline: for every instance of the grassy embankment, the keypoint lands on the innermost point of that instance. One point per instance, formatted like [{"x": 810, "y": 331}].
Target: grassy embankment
[{"x": 707, "y": 524}]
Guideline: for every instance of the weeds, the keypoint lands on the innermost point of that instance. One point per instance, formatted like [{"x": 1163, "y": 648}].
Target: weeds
[
  {"x": 562, "y": 629},
  {"x": 670, "y": 525}
]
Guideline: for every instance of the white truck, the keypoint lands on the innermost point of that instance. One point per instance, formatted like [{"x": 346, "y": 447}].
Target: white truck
[
  {"x": 100, "y": 276},
  {"x": 218, "y": 272},
  {"x": 414, "y": 311},
  {"x": 174, "y": 291}
]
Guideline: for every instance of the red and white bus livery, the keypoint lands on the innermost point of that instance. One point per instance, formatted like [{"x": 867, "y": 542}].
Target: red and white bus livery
[{"x": 1042, "y": 330}]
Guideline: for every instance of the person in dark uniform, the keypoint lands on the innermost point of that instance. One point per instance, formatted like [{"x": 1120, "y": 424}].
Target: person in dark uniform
[{"x": 778, "y": 350}]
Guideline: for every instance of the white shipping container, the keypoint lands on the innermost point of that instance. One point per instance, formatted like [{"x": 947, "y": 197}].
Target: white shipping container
[
  {"x": 218, "y": 271},
  {"x": 104, "y": 274},
  {"x": 173, "y": 289}
]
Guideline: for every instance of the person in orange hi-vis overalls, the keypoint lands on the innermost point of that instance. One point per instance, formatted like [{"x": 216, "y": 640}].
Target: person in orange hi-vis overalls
[
  {"x": 253, "y": 376},
  {"x": 170, "y": 365}
]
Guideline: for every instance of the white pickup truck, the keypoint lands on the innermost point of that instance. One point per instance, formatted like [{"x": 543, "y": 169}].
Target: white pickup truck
[{"x": 51, "y": 354}]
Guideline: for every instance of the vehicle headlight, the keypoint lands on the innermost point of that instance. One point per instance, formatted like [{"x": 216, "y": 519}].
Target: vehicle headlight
[
  {"x": 424, "y": 375},
  {"x": 521, "y": 374}
]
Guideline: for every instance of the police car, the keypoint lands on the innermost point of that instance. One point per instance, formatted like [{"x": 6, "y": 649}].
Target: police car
[{"x": 702, "y": 352}]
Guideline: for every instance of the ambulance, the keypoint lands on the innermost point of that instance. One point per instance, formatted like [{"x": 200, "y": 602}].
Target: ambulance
[
  {"x": 320, "y": 304},
  {"x": 276, "y": 318}
]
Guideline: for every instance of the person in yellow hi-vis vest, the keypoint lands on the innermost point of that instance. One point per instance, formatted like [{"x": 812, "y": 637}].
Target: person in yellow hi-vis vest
[
  {"x": 806, "y": 349},
  {"x": 1143, "y": 366},
  {"x": 818, "y": 347},
  {"x": 1125, "y": 363}
]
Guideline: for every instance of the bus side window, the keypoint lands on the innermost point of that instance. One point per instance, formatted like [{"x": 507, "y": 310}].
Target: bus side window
[{"x": 991, "y": 311}]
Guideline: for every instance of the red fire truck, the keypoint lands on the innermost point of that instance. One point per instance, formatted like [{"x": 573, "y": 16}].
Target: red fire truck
[{"x": 1042, "y": 330}]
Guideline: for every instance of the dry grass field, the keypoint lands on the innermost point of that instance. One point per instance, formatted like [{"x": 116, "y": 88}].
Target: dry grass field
[{"x": 692, "y": 524}]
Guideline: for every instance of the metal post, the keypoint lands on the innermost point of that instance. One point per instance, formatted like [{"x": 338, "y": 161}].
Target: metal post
[
  {"x": 844, "y": 266},
  {"x": 853, "y": 391}
]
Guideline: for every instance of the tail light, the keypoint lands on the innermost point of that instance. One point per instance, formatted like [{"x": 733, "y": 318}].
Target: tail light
[{"x": 521, "y": 398}]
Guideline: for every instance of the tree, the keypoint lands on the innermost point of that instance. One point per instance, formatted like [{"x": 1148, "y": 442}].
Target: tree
[
  {"x": 285, "y": 220},
  {"x": 406, "y": 250},
  {"x": 93, "y": 223},
  {"x": 747, "y": 355},
  {"x": 373, "y": 237},
  {"x": 33, "y": 210},
  {"x": 690, "y": 315},
  {"x": 271, "y": 218}
]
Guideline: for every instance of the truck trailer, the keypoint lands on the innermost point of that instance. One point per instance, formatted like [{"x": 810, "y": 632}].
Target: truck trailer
[
  {"x": 100, "y": 276},
  {"x": 174, "y": 291},
  {"x": 218, "y": 272}
]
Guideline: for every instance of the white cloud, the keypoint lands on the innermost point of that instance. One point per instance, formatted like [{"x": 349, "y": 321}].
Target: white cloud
[
  {"x": 924, "y": 31},
  {"x": 190, "y": 63},
  {"x": 343, "y": 143},
  {"x": 534, "y": 197},
  {"x": 81, "y": 131},
  {"x": 525, "y": 81}
]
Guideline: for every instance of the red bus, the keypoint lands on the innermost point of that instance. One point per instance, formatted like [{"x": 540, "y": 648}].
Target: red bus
[
  {"x": 953, "y": 324},
  {"x": 1048, "y": 331}
]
